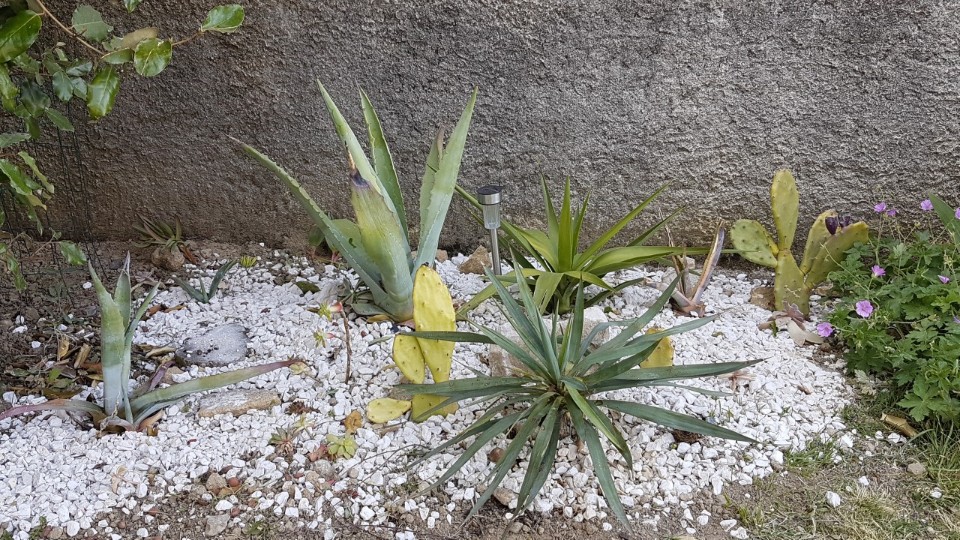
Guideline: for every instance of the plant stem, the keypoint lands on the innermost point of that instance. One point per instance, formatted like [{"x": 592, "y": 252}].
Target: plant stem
[
  {"x": 346, "y": 340},
  {"x": 188, "y": 39},
  {"x": 67, "y": 29}
]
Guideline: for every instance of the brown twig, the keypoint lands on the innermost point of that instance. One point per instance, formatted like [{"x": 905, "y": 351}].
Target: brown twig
[
  {"x": 67, "y": 29},
  {"x": 188, "y": 39}
]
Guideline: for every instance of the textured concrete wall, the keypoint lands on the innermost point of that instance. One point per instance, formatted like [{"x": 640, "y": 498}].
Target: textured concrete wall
[{"x": 858, "y": 97}]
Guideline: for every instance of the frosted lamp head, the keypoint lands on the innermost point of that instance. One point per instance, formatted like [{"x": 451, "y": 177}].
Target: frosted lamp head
[{"x": 489, "y": 197}]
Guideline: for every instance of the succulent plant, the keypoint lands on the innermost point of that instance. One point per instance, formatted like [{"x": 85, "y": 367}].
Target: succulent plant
[{"x": 827, "y": 242}]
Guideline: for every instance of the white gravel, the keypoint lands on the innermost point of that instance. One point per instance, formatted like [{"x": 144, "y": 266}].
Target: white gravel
[{"x": 51, "y": 469}]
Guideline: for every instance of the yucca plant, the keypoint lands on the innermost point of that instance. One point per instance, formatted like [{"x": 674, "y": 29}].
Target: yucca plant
[
  {"x": 122, "y": 410},
  {"x": 563, "y": 374},
  {"x": 562, "y": 266},
  {"x": 377, "y": 245},
  {"x": 201, "y": 294}
]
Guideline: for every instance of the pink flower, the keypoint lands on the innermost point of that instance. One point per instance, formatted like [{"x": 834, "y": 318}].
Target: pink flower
[
  {"x": 825, "y": 329},
  {"x": 926, "y": 205},
  {"x": 877, "y": 271},
  {"x": 944, "y": 279},
  {"x": 880, "y": 207},
  {"x": 864, "y": 308},
  {"x": 892, "y": 212}
]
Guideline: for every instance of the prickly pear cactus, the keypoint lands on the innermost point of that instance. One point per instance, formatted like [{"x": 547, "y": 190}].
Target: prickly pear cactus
[
  {"x": 754, "y": 242},
  {"x": 662, "y": 355},
  {"x": 386, "y": 409},
  {"x": 788, "y": 287},
  {"x": 785, "y": 204}
]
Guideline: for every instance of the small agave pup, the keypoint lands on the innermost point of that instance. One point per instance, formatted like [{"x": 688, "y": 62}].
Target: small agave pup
[
  {"x": 830, "y": 237},
  {"x": 122, "y": 410},
  {"x": 377, "y": 245}
]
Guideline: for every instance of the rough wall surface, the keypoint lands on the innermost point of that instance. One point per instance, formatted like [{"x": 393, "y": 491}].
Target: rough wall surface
[{"x": 860, "y": 98}]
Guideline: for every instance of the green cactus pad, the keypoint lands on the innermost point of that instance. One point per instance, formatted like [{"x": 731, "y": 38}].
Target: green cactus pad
[
  {"x": 754, "y": 243},
  {"x": 817, "y": 237},
  {"x": 785, "y": 204},
  {"x": 833, "y": 252},
  {"x": 788, "y": 287}
]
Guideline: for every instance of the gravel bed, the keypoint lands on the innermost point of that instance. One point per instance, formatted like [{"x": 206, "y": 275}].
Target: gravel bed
[{"x": 52, "y": 469}]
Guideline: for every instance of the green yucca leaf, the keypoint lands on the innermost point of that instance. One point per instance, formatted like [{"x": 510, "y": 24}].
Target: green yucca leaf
[
  {"x": 602, "y": 423},
  {"x": 601, "y": 468},
  {"x": 543, "y": 455},
  {"x": 383, "y": 161},
  {"x": 649, "y": 376},
  {"x": 673, "y": 420}
]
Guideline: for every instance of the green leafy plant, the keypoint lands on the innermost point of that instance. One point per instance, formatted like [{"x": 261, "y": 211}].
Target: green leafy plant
[
  {"x": 341, "y": 446},
  {"x": 157, "y": 234},
  {"x": 200, "y": 294},
  {"x": 830, "y": 236},
  {"x": 39, "y": 74},
  {"x": 122, "y": 410},
  {"x": 899, "y": 310},
  {"x": 563, "y": 375},
  {"x": 377, "y": 245},
  {"x": 562, "y": 267},
  {"x": 247, "y": 261}
]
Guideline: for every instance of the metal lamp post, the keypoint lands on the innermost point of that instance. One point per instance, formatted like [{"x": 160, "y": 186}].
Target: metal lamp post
[{"x": 489, "y": 197}]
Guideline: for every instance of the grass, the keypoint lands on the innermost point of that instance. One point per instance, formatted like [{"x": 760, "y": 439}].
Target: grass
[{"x": 894, "y": 505}]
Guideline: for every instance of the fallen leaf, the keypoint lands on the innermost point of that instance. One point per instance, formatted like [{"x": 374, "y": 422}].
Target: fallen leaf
[
  {"x": 116, "y": 478},
  {"x": 82, "y": 356},
  {"x": 353, "y": 422},
  {"x": 63, "y": 348},
  {"x": 899, "y": 423}
]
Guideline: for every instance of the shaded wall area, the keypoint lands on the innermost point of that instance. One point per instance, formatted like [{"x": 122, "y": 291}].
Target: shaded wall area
[{"x": 860, "y": 99}]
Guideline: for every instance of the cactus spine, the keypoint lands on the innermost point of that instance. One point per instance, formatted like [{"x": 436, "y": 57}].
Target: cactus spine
[{"x": 822, "y": 254}]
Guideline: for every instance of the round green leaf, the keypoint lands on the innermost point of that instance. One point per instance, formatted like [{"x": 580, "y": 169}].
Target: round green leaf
[
  {"x": 88, "y": 22},
  {"x": 119, "y": 57},
  {"x": 102, "y": 92},
  {"x": 152, "y": 56},
  {"x": 62, "y": 86},
  {"x": 223, "y": 19},
  {"x": 17, "y": 34}
]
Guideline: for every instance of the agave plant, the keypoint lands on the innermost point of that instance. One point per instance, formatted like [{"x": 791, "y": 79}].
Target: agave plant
[
  {"x": 122, "y": 410},
  {"x": 558, "y": 267},
  {"x": 158, "y": 234},
  {"x": 201, "y": 294},
  {"x": 562, "y": 374},
  {"x": 377, "y": 245}
]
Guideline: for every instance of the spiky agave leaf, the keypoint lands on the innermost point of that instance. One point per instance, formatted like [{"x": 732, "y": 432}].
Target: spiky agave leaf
[{"x": 114, "y": 355}]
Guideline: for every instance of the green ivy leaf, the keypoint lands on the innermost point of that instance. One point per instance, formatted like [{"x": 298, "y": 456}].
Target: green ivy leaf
[
  {"x": 32, "y": 163},
  {"x": 102, "y": 92},
  {"x": 88, "y": 22},
  {"x": 21, "y": 183},
  {"x": 79, "y": 88},
  {"x": 33, "y": 126},
  {"x": 33, "y": 98},
  {"x": 131, "y": 5},
  {"x": 223, "y": 19},
  {"x": 152, "y": 56},
  {"x": 78, "y": 68},
  {"x": 72, "y": 253},
  {"x": 62, "y": 86},
  {"x": 17, "y": 34},
  {"x": 8, "y": 90},
  {"x": 59, "y": 120},
  {"x": 10, "y": 139},
  {"x": 27, "y": 64},
  {"x": 118, "y": 57}
]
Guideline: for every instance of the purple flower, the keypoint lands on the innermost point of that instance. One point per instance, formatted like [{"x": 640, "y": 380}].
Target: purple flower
[
  {"x": 831, "y": 223},
  {"x": 880, "y": 207},
  {"x": 878, "y": 271},
  {"x": 956, "y": 319},
  {"x": 892, "y": 212},
  {"x": 944, "y": 279},
  {"x": 957, "y": 213},
  {"x": 825, "y": 329},
  {"x": 926, "y": 205},
  {"x": 864, "y": 308}
]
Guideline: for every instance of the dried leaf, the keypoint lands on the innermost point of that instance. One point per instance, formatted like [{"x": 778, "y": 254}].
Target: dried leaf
[
  {"x": 82, "y": 356},
  {"x": 63, "y": 347},
  {"x": 900, "y": 424},
  {"x": 116, "y": 478},
  {"x": 353, "y": 422}
]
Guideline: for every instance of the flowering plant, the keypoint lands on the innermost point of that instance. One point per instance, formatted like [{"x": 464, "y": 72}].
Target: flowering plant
[{"x": 899, "y": 312}]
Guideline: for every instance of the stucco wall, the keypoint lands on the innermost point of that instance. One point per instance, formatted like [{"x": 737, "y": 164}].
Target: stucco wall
[{"x": 859, "y": 98}]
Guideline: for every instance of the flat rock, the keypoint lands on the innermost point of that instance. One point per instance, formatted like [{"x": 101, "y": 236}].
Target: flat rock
[
  {"x": 216, "y": 524},
  {"x": 917, "y": 469},
  {"x": 504, "y": 496},
  {"x": 762, "y": 297},
  {"x": 168, "y": 259},
  {"x": 475, "y": 264},
  {"x": 222, "y": 346},
  {"x": 237, "y": 402}
]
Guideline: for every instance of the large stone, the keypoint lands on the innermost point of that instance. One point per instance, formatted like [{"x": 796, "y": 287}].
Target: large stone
[
  {"x": 222, "y": 346},
  {"x": 171, "y": 259},
  {"x": 476, "y": 263},
  {"x": 237, "y": 402},
  {"x": 762, "y": 297},
  {"x": 216, "y": 525}
]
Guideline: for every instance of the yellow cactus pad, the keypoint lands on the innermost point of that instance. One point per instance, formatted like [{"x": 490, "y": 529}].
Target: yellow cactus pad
[
  {"x": 422, "y": 403},
  {"x": 433, "y": 312},
  {"x": 662, "y": 356},
  {"x": 386, "y": 409},
  {"x": 409, "y": 358}
]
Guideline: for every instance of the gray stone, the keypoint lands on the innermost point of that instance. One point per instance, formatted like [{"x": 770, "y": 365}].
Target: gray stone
[
  {"x": 762, "y": 297},
  {"x": 504, "y": 496},
  {"x": 476, "y": 263},
  {"x": 237, "y": 402},
  {"x": 222, "y": 346},
  {"x": 167, "y": 259},
  {"x": 917, "y": 469},
  {"x": 216, "y": 524},
  {"x": 215, "y": 483},
  {"x": 622, "y": 98}
]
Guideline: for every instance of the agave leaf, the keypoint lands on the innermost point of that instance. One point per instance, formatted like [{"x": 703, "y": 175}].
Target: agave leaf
[
  {"x": 543, "y": 455},
  {"x": 218, "y": 277},
  {"x": 586, "y": 257},
  {"x": 654, "y": 229},
  {"x": 349, "y": 139},
  {"x": 620, "y": 258},
  {"x": 383, "y": 161},
  {"x": 544, "y": 289},
  {"x": 456, "y": 337},
  {"x": 542, "y": 244},
  {"x": 566, "y": 243},
  {"x": 479, "y": 426},
  {"x": 121, "y": 294},
  {"x": 601, "y": 468},
  {"x": 603, "y": 295},
  {"x": 358, "y": 260},
  {"x": 200, "y": 295},
  {"x": 673, "y": 420},
  {"x": 210, "y": 382},
  {"x": 572, "y": 338},
  {"x": 442, "y": 189},
  {"x": 115, "y": 357},
  {"x": 72, "y": 405},
  {"x": 430, "y": 175}
]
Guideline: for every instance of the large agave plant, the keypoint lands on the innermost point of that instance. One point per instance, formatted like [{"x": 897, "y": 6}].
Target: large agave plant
[
  {"x": 563, "y": 376},
  {"x": 377, "y": 245},
  {"x": 122, "y": 410}
]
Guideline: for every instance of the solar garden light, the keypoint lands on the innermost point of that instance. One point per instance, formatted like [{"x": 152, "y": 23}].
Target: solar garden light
[{"x": 489, "y": 197}]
